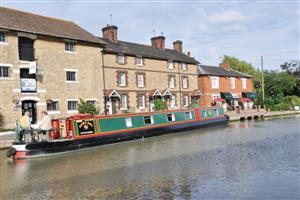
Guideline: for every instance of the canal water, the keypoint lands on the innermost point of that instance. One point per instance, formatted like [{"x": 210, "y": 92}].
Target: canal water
[{"x": 246, "y": 160}]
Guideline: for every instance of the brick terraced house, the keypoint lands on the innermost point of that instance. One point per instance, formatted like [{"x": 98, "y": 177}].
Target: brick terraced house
[
  {"x": 137, "y": 74},
  {"x": 46, "y": 64},
  {"x": 223, "y": 82}
]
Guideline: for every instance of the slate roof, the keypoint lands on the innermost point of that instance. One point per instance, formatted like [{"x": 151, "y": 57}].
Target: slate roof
[
  {"x": 147, "y": 51},
  {"x": 17, "y": 20},
  {"x": 219, "y": 71}
]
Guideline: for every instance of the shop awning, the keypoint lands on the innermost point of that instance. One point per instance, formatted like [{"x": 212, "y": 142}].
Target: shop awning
[
  {"x": 112, "y": 93},
  {"x": 154, "y": 93},
  {"x": 244, "y": 99},
  {"x": 166, "y": 92},
  {"x": 250, "y": 95},
  {"x": 196, "y": 93},
  {"x": 218, "y": 100},
  {"x": 226, "y": 95}
]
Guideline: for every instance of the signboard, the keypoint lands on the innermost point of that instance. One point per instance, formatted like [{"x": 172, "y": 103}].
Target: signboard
[
  {"x": 86, "y": 127},
  {"x": 28, "y": 85}
]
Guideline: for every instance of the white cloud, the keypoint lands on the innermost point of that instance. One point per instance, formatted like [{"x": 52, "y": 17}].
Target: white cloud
[
  {"x": 228, "y": 16},
  {"x": 235, "y": 28}
]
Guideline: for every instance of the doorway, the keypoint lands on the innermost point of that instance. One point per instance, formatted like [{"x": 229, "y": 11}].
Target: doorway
[
  {"x": 30, "y": 106},
  {"x": 111, "y": 105}
]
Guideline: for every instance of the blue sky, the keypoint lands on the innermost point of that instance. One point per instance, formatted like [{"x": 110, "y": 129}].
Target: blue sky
[{"x": 208, "y": 29}]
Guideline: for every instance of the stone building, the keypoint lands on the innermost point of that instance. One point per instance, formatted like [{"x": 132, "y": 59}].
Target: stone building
[
  {"x": 223, "y": 82},
  {"x": 135, "y": 75},
  {"x": 46, "y": 64}
]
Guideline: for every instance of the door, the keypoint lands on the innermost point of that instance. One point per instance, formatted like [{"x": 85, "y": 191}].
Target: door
[{"x": 30, "y": 106}]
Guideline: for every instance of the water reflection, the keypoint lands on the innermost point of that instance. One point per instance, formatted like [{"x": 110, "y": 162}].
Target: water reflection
[{"x": 258, "y": 160}]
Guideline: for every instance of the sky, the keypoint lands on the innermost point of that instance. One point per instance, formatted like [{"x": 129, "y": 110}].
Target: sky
[{"x": 246, "y": 30}]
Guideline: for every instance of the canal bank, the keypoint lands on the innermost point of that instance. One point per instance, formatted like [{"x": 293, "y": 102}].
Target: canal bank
[{"x": 255, "y": 114}]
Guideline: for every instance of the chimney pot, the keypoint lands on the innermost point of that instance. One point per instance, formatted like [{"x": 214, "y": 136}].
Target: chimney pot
[
  {"x": 225, "y": 65},
  {"x": 158, "y": 42},
  {"x": 110, "y": 32},
  {"x": 177, "y": 46}
]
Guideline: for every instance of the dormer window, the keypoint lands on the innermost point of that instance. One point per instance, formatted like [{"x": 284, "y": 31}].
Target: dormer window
[
  {"x": 170, "y": 64},
  {"x": 120, "y": 59},
  {"x": 184, "y": 66},
  {"x": 139, "y": 61},
  {"x": 70, "y": 46}
]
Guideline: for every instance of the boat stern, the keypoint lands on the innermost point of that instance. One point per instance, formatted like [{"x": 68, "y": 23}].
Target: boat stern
[{"x": 17, "y": 151}]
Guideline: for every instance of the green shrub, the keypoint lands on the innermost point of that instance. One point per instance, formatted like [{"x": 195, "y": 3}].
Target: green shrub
[
  {"x": 160, "y": 105},
  {"x": 87, "y": 108}
]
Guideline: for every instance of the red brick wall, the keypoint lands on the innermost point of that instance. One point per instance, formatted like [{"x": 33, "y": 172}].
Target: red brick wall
[{"x": 224, "y": 86}]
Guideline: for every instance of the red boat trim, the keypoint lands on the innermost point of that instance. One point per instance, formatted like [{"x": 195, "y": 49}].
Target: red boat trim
[{"x": 20, "y": 155}]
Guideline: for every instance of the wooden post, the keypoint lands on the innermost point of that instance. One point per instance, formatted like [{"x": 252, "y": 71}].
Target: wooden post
[{"x": 262, "y": 79}]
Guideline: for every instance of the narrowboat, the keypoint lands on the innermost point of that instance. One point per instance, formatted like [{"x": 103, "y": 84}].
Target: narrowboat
[{"x": 85, "y": 131}]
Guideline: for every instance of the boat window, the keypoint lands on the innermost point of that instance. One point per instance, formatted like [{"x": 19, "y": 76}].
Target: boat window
[
  {"x": 209, "y": 113},
  {"x": 148, "y": 119},
  {"x": 204, "y": 114},
  {"x": 128, "y": 122},
  {"x": 171, "y": 117},
  {"x": 188, "y": 115},
  {"x": 216, "y": 111}
]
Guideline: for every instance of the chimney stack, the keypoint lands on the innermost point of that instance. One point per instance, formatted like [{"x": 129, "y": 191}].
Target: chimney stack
[
  {"x": 177, "y": 46},
  {"x": 225, "y": 65},
  {"x": 158, "y": 42},
  {"x": 110, "y": 32},
  {"x": 189, "y": 54}
]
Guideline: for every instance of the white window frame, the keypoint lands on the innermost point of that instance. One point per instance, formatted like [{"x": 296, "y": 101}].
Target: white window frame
[
  {"x": 9, "y": 66},
  {"x": 244, "y": 83},
  {"x": 120, "y": 59},
  {"x": 141, "y": 83},
  {"x": 122, "y": 79},
  {"x": 57, "y": 101},
  {"x": 173, "y": 101},
  {"x": 188, "y": 115},
  {"x": 151, "y": 119},
  {"x": 91, "y": 100},
  {"x": 185, "y": 83},
  {"x": 125, "y": 107},
  {"x": 183, "y": 66},
  {"x": 172, "y": 117},
  {"x": 172, "y": 82},
  {"x": 140, "y": 59},
  {"x": 143, "y": 100},
  {"x": 186, "y": 99},
  {"x": 128, "y": 122},
  {"x": 215, "y": 85},
  {"x": 72, "y": 111},
  {"x": 74, "y": 46},
  {"x": 76, "y": 75},
  {"x": 170, "y": 64},
  {"x": 5, "y": 39},
  {"x": 232, "y": 83}
]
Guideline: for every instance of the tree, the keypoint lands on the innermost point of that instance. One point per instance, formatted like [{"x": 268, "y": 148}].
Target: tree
[
  {"x": 292, "y": 67},
  {"x": 279, "y": 83},
  {"x": 242, "y": 66},
  {"x": 87, "y": 108}
]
